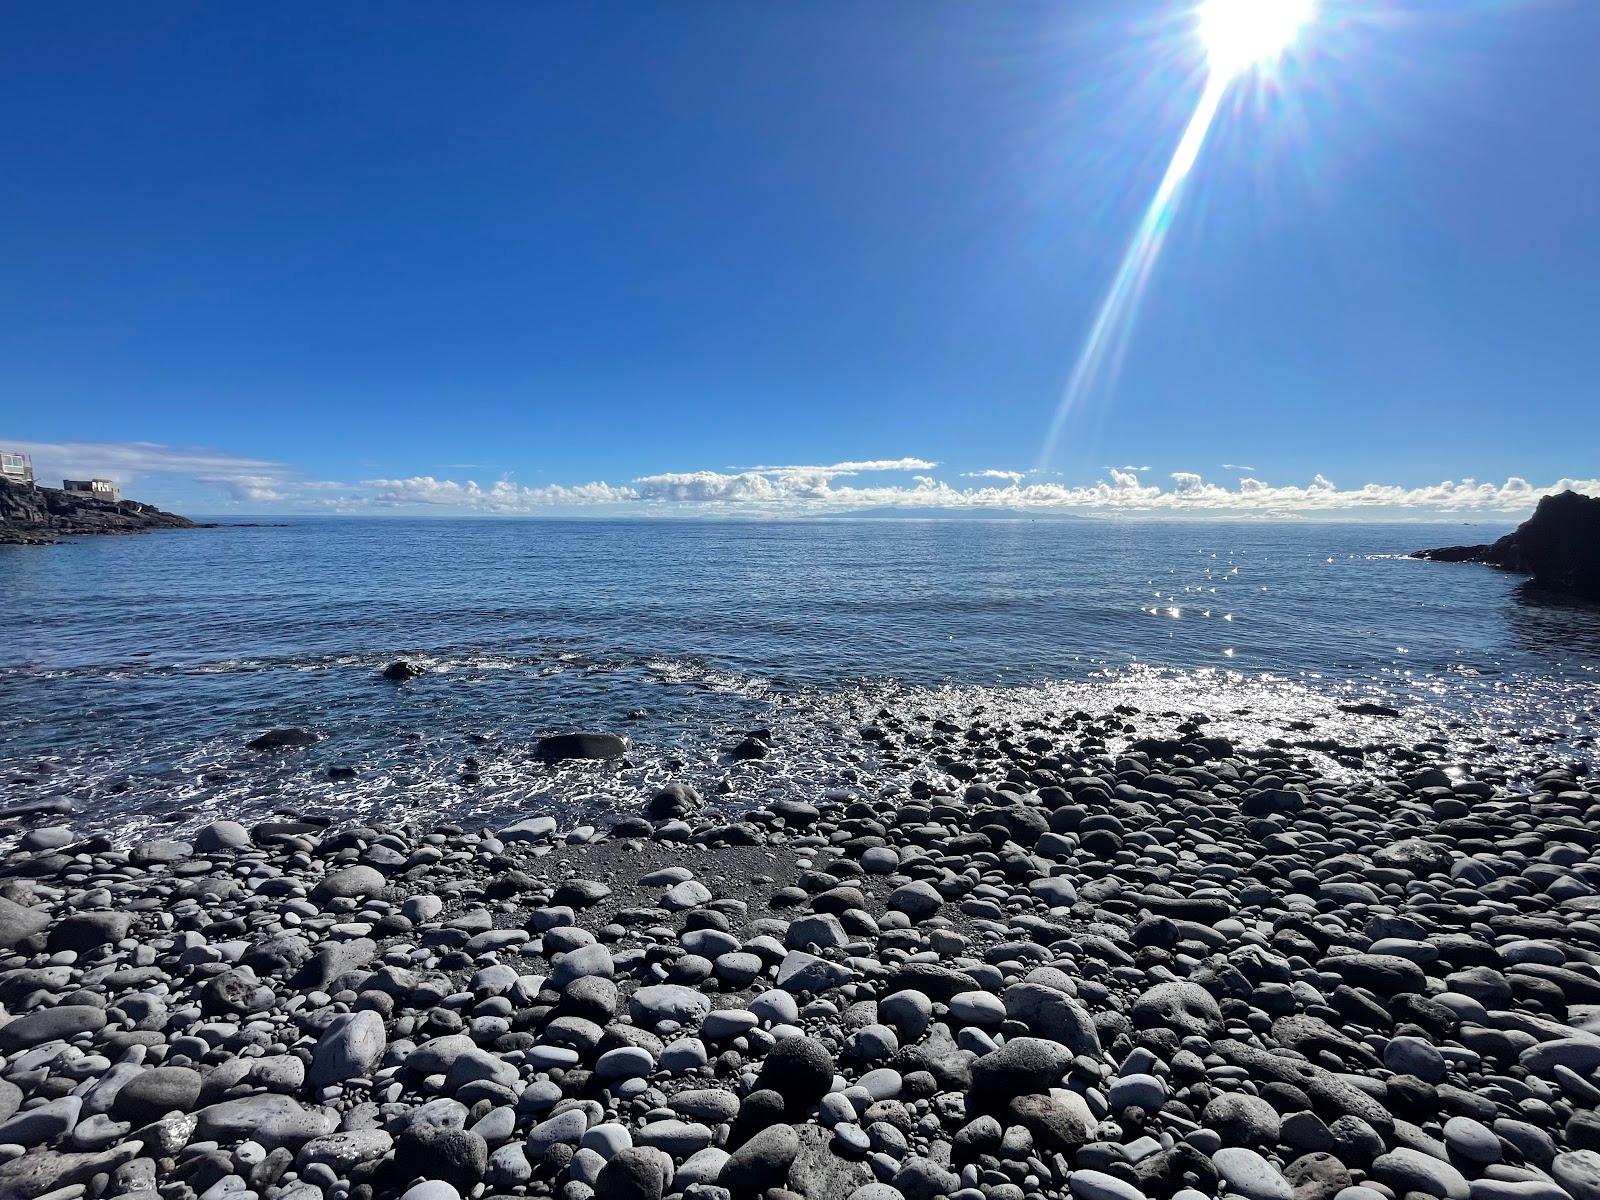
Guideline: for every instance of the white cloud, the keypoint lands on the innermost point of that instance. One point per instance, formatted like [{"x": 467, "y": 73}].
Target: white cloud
[
  {"x": 1236, "y": 467},
  {"x": 1122, "y": 492},
  {"x": 1126, "y": 479},
  {"x": 501, "y": 497},
  {"x": 264, "y": 488},
  {"x": 847, "y": 468},
  {"x": 745, "y": 487},
  {"x": 156, "y": 467},
  {"x": 128, "y": 462},
  {"x": 781, "y": 491},
  {"x": 764, "y": 485}
]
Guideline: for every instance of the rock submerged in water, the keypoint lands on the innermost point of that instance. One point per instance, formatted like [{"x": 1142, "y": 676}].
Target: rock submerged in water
[
  {"x": 562, "y": 747},
  {"x": 1369, "y": 708},
  {"x": 289, "y": 738},
  {"x": 402, "y": 670},
  {"x": 672, "y": 801},
  {"x": 750, "y": 748},
  {"x": 1559, "y": 546}
]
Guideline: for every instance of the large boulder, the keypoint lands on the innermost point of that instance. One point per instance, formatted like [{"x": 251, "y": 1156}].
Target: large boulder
[
  {"x": 348, "y": 883},
  {"x": 1183, "y": 1007},
  {"x": 673, "y": 800}
]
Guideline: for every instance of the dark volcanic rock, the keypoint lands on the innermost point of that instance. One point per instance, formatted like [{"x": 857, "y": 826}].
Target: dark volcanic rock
[
  {"x": 1369, "y": 708},
  {"x": 559, "y": 747},
  {"x": 153, "y": 1093},
  {"x": 673, "y": 800},
  {"x": 283, "y": 739},
  {"x": 799, "y": 1070},
  {"x": 634, "y": 1173},
  {"x": 751, "y": 747},
  {"x": 457, "y": 1156},
  {"x": 62, "y": 1021},
  {"x": 1024, "y": 1065},
  {"x": 761, "y": 1163},
  {"x": 82, "y": 932},
  {"x": 1385, "y": 974},
  {"x": 401, "y": 670},
  {"x": 1559, "y": 546},
  {"x": 33, "y": 516}
]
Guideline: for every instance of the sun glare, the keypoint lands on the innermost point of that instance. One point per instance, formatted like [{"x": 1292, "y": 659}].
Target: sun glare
[{"x": 1240, "y": 34}]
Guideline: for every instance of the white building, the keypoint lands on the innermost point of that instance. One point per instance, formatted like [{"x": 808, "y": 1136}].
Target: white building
[
  {"x": 100, "y": 489},
  {"x": 15, "y": 467}
]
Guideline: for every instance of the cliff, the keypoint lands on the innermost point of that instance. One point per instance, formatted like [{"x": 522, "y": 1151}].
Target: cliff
[
  {"x": 37, "y": 516},
  {"x": 1559, "y": 546}
]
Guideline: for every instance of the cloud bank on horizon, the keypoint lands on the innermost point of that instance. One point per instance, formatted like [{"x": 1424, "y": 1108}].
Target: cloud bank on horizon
[{"x": 261, "y": 485}]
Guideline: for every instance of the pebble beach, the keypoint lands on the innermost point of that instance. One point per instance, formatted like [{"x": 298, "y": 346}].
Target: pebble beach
[
  {"x": 1072, "y": 962},
  {"x": 893, "y": 601}
]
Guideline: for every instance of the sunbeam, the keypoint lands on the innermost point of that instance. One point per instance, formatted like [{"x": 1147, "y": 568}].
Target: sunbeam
[
  {"x": 1238, "y": 35},
  {"x": 1108, "y": 336}
]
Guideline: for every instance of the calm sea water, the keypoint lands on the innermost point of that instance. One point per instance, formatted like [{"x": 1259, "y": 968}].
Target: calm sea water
[{"x": 134, "y": 670}]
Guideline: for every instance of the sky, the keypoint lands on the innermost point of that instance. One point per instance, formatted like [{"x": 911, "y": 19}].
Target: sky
[{"x": 774, "y": 259}]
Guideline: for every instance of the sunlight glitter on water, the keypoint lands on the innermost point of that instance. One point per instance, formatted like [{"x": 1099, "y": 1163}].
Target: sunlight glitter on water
[{"x": 142, "y": 709}]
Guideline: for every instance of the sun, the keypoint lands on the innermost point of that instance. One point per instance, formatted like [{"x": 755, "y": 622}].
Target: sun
[{"x": 1240, "y": 34}]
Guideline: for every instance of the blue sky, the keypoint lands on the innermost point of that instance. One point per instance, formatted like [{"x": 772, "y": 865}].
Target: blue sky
[{"x": 505, "y": 257}]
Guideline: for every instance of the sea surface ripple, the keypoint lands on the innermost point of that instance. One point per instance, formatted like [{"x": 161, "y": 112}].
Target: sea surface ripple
[{"x": 134, "y": 670}]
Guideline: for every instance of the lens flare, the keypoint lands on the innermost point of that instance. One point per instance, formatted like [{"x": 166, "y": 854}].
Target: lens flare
[
  {"x": 1239, "y": 35},
  {"x": 1108, "y": 335}
]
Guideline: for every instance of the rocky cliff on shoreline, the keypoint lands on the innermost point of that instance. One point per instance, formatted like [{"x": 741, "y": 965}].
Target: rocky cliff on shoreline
[
  {"x": 1559, "y": 546},
  {"x": 39, "y": 516}
]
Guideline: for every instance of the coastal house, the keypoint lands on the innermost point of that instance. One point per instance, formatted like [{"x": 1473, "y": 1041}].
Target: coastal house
[
  {"x": 16, "y": 467},
  {"x": 100, "y": 489}
]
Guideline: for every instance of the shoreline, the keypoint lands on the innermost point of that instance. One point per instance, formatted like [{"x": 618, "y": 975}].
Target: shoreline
[
  {"x": 457, "y": 767},
  {"x": 1156, "y": 971},
  {"x": 34, "y": 515}
]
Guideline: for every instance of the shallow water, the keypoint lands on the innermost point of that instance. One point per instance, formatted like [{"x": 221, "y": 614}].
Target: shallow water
[{"x": 133, "y": 670}]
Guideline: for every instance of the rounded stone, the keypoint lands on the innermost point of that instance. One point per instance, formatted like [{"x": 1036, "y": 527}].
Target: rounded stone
[
  {"x": 799, "y": 1070},
  {"x": 156, "y": 1092},
  {"x": 1249, "y": 1175}
]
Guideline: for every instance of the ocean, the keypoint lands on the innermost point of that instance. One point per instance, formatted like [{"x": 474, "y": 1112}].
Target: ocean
[{"x": 134, "y": 670}]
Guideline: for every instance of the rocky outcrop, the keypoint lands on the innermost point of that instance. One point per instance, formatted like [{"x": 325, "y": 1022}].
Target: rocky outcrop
[
  {"x": 1559, "y": 546},
  {"x": 38, "y": 516}
]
